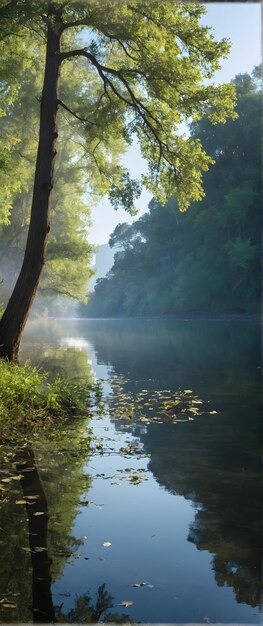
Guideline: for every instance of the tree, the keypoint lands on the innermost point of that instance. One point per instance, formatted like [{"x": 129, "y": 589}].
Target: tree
[
  {"x": 67, "y": 269},
  {"x": 146, "y": 65},
  {"x": 207, "y": 259}
]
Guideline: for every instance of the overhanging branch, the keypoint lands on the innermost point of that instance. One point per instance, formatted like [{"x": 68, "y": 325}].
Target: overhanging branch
[
  {"x": 57, "y": 291},
  {"x": 137, "y": 105},
  {"x": 78, "y": 117}
]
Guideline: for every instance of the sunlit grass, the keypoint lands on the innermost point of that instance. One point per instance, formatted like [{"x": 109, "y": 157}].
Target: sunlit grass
[{"x": 26, "y": 395}]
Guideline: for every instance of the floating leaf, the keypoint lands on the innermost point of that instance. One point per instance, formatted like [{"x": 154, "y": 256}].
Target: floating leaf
[
  {"x": 20, "y": 501},
  {"x": 6, "y": 480},
  {"x": 26, "y": 549},
  {"x": 188, "y": 391},
  {"x": 39, "y": 513},
  {"x": 32, "y": 497},
  {"x": 213, "y": 412},
  {"x": 39, "y": 549},
  {"x": 143, "y": 585},
  {"x": 106, "y": 544}
]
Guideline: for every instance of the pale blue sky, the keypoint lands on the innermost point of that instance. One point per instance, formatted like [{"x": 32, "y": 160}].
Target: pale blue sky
[{"x": 242, "y": 24}]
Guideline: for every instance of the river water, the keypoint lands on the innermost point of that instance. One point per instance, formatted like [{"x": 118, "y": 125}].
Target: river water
[{"x": 154, "y": 500}]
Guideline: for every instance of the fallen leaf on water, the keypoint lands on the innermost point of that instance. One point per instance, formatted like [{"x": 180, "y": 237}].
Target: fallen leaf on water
[
  {"x": 9, "y": 605},
  {"x": 20, "y": 501},
  {"x": 106, "y": 544},
  {"x": 26, "y": 549},
  {"x": 32, "y": 497},
  {"x": 6, "y": 480},
  {"x": 39, "y": 549},
  {"x": 39, "y": 513},
  {"x": 213, "y": 412},
  {"x": 188, "y": 391},
  {"x": 143, "y": 585}
]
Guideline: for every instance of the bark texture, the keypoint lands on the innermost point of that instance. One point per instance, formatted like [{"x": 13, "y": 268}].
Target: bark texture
[{"x": 17, "y": 310}]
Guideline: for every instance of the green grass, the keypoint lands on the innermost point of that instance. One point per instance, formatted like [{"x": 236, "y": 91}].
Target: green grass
[{"x": 28, "y": 397}]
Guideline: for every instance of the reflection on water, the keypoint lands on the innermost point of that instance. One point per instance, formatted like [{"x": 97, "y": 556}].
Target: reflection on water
[
  {"x": 159, "y": 508},
  {"x": 35, "y": 501}
]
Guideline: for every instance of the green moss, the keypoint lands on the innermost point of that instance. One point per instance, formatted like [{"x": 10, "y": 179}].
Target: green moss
[{"x": 28, "y": 397}]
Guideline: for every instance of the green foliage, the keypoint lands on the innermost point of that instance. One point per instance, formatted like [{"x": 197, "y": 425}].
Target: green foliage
[
  {"x": 205, "y": 260},
  {"x": 67, "y": 270},
  {"x": 27, "y": 397},
  {"x": 142, "y": 69}
]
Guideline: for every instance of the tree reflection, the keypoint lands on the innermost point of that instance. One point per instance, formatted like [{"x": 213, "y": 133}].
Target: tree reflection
[
  {"x": 84, "y": 612},
  {"x": 42, "y": 479},
  {"x": 214, "y": 460},
  {"x": 37, "y": 512},
  {"x": 216, "y": 464}
]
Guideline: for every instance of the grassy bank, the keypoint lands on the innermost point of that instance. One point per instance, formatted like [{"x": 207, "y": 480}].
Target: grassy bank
[{"x": 28, "y": 397}]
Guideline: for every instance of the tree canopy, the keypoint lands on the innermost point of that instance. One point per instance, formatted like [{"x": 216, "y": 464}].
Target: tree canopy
[
  {"x": 208, "y": 259},
  {"x": 134, "y": 68}
]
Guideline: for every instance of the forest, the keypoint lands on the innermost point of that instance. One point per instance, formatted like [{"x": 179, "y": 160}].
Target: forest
[
  {"x": 130, "y": 416},
  {"x": 207, "y": 259}
]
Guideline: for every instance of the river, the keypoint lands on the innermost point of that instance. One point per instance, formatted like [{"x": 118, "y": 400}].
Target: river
[{"x": 154, "y": 500}]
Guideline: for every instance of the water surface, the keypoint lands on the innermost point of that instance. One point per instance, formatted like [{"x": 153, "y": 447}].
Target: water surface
[{"x": 166, "y": 474}]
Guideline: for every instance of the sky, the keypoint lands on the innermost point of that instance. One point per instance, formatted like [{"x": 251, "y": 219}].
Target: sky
[{"x": 242, "y": 24}]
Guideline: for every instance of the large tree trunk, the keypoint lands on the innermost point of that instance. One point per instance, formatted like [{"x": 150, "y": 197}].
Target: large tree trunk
[{"x": 17, "y": 310}]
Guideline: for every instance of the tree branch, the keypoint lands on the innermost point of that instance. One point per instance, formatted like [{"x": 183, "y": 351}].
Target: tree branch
[
  {"x": 57, "y": 291},
  {"x": 135, "y": 103},
  {"x": 78, "y": 117},
  {"x": 81, "y": 22}
]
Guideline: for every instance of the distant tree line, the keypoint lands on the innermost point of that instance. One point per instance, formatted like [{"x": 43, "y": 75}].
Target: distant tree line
[{"x": 207, "y": 259}]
